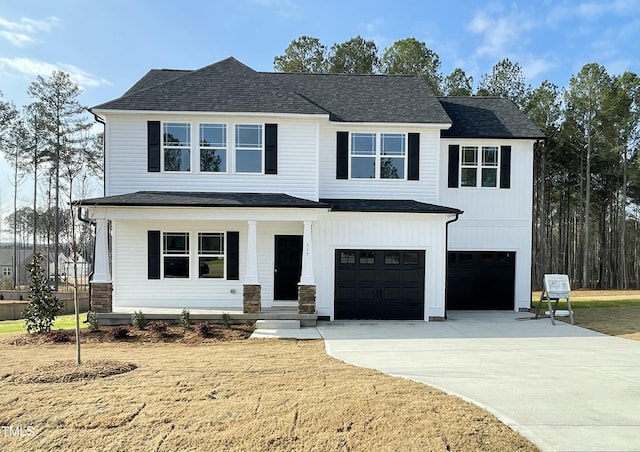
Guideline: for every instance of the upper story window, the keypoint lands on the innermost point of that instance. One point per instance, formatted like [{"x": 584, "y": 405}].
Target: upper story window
[
  {"x": 213, "y": 148},
  {"x": 479, "y": 166},
  {"x": 248, "y": 152},
  {"x": 6, "y": 271},
  {"x": 378, "y": 156},
  {"x": 176, "y": 146}
]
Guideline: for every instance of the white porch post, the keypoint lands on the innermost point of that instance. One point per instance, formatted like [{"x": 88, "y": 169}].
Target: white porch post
[
  {"x": 251, "y": 276},
  {"x": 101, "y": 272},
  {"x": 306, "y": 276}
]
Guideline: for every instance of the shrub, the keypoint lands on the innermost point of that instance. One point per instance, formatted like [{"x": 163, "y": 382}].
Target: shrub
[
  {"x": 43, "y": 306},
  {"x": 138, "y": 320},
  {"x": 158, "y": 327},
  {"x": 92, "y": 321},
  {"x": 203, "y": 329},
  {"x": 120, "y": 332},
  {"x": 226, "y": 319},
  {"x": 185, "y": 321},
  {"x": 58, "y": 336}
]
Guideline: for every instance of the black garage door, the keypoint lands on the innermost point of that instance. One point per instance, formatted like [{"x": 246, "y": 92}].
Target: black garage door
[
  {"x": 481, "y": 280},
  {"x": 379, "y": 284}
]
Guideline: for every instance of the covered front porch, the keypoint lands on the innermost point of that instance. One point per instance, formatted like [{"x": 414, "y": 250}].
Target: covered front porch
[{"x": 151, "y": 250}]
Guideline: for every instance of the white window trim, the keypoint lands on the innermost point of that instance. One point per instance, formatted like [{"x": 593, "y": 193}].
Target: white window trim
[
  {"x": 189, "y": 148},
  {"x": 479, "y": 166},
  {"x": 227, "y": 148},
  {"x": 262, "y": 148},
  {"x": 223, "y": 255},
  {"x": 378, "y": 156},
  {"x": 193, "y": 255},
  {"x": 6, "y": 271}
]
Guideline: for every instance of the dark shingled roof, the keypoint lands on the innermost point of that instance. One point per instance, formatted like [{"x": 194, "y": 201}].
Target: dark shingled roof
[
  {"x": 487, "y": 117},
  {"x": 230, "y": 86},
  {"x": 386, "y": 205},
  {"x": 201, "y": 199}
]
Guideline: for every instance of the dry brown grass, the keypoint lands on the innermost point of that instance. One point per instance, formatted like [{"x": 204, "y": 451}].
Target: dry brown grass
[{"x": 243, "y": 395}]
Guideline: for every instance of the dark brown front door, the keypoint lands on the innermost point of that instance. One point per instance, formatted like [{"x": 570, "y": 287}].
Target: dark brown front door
[{"x": 288, "y": 265}]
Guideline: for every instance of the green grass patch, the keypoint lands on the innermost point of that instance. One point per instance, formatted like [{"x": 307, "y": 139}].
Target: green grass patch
[
  {"x": 65, "y": 322},
  {"x": 584, "y": 304}
]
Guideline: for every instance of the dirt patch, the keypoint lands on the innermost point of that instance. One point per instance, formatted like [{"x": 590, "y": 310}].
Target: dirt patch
[
  {"x": 242, "y": 395},
  {"x": 68, "y": 371},
  {"x": 622, "y": 321},
  {"x": 579, "y": 294},
  {"x": 219, "y": 333}
]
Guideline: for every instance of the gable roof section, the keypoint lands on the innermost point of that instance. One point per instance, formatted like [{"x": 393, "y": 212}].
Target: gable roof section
[
  {"x": 386, "y": 205},
  {"x": 487, "y": 117},
  {"x": 200, "y": 199},
  {"x": 232, "y": 87}
]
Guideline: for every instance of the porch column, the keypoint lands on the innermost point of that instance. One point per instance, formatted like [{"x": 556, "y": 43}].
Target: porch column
[
  {"x": 307, "y": 285},
  {"x": 306, "y": 276},
  {"x": 251, "y": 290},
  {"x": 101, "y": 286}
]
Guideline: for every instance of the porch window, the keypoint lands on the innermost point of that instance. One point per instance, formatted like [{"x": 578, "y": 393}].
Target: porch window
[
  {"x": 211, "y": 255},
  {"x": 175, "y": 254},
  {"x": 249, "y": 150},
  {"x": 213, "y": 148},
  {"x": 176, "y": 146}
]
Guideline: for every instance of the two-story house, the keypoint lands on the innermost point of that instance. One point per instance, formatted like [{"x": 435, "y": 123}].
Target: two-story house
[{"x": 343, "y": 194}]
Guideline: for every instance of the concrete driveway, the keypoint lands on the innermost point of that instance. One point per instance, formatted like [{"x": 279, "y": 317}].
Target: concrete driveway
[{"x": 563, "y": 387}]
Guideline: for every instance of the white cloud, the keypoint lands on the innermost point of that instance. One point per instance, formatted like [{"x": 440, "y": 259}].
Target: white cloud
[
  {"x": 32, "y": 68},
  {"x": 500, "y": 33},
  {"x": 534, "y": 68},
  {"x": 15, "y": 38},
  {"x": 21, "y": 33}
]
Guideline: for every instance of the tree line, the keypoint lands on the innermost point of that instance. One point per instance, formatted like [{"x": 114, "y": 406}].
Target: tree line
[
  {"x": 586, "y": 206},
  {"x": 49, "y": 142}
]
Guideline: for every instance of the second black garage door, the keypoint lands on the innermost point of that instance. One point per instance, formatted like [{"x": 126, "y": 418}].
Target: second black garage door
[
  {"x": 481, "y": 280},
  {"x": 379, "y": 284}
]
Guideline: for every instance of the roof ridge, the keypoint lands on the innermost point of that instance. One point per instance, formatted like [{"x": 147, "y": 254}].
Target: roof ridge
[{"x": 188, "y": 73}]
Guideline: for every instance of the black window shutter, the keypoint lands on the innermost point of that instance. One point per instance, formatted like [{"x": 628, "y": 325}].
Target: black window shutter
[
  {"x": 414, "y": 157},
  {"x": 153, "y": 254},
  {"x": 454, "y": 163},
  {"x": 505, "y": 166},
  {"x": 271, "y": 149},
  {"x": 342, "y": 155},
  {"x": 153, "y": 146},
  {"x": 233, "y": 255}
]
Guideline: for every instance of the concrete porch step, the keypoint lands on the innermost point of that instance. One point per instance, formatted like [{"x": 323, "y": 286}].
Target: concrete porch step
[{"x": 273, "y": 324}]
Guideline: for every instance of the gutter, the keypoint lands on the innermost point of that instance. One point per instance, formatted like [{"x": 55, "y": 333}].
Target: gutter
[{"x": 446, "y": 252}]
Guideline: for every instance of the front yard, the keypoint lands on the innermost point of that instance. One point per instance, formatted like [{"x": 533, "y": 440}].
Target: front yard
[{"x": 242, "y": 395}]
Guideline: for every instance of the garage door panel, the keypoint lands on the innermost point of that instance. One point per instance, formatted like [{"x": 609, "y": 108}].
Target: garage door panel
[
  {"x": 481, "y": 280},
  {"x": 389, "y": 284}
]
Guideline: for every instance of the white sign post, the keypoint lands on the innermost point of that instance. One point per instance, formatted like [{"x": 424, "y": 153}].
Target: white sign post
[{"x": 555, "y": 287}]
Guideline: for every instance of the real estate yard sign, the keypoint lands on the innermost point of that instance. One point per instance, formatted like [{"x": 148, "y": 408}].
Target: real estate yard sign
[{"x": 557, "y": 286}]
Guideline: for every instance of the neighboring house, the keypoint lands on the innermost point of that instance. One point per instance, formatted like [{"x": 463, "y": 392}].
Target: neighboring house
[{"x": 231, "y": 188}]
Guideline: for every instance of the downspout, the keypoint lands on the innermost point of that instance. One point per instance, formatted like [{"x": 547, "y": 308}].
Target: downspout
[
  {"x": 90, "y": 223},
  {"x": 446, "y": 254}
]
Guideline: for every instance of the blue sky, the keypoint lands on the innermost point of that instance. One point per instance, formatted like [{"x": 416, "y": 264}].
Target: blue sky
[{"x": 107, "y": 46}]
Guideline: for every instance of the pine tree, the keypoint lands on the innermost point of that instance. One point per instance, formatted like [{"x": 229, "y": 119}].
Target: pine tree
[{"x": 43, "y": 307}]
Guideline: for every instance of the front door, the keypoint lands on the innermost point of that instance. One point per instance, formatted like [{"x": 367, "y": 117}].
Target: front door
[{"x": 288, "y": 266}]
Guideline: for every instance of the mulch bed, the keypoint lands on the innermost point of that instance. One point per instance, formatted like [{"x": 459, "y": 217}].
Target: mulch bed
[
  {"x": 68, "y": 371},
  {"x": 173, "y": 334}
]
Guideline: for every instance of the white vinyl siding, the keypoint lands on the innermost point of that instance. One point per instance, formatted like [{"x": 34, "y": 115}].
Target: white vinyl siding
[
  {"x": 424, "y": 190},
  {"x": 126, "y": 161}
]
